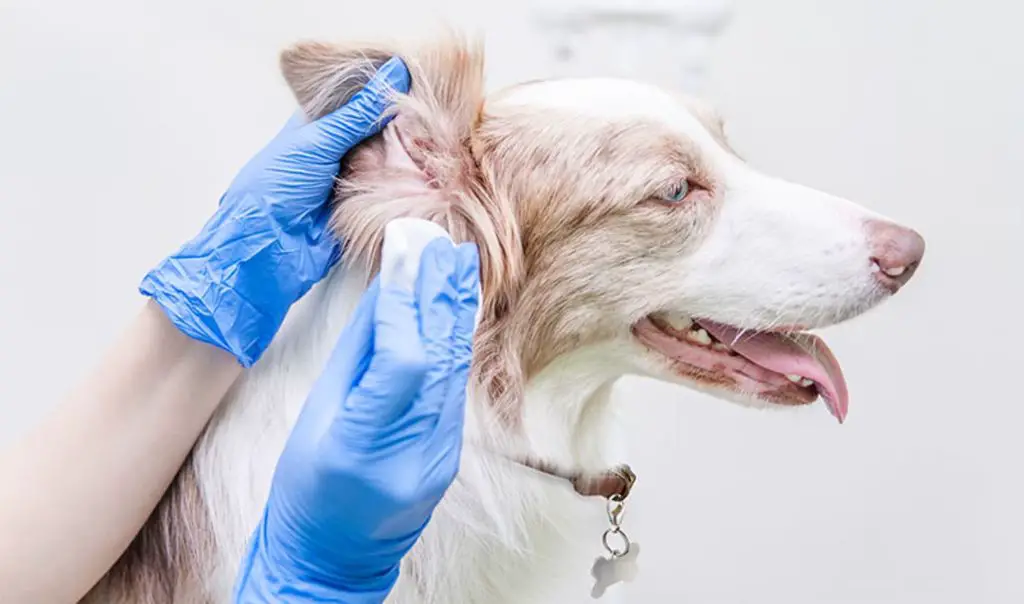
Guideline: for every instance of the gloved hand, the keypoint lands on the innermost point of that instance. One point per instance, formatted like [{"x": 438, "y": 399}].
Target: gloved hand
[
  {"x": 376, "y": 444},
  {"x": 268, "y": 241}
]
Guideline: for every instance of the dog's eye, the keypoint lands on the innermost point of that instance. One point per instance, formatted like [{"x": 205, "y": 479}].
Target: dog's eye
[{"x": 678, "y": 192}]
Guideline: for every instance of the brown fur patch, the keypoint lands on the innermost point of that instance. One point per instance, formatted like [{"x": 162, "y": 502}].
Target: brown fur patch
[
  {"x": 578, "y": 189},
  {"x": 434, "y": 126}
]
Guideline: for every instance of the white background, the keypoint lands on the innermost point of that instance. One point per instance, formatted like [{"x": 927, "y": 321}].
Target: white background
[{"x": 121, "y": 124}]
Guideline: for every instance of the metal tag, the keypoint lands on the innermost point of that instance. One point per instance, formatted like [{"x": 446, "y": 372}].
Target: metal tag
[
  {"x": 620, "y": 564},
  {"x": 611, "y": 570}
]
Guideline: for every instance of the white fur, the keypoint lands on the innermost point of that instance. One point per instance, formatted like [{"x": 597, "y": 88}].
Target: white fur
[
  {"x": 504, "y": 533},
  {"x": 804, "y": 252}
]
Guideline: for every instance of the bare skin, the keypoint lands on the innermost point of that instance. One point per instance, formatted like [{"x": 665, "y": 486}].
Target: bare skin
[{"x": 77, "y": 488}]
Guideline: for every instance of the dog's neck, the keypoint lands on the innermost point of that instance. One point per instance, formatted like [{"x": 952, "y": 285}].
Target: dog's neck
[
  {"x": 568, "y": 418},
  {"x": 513, "y": 517}
]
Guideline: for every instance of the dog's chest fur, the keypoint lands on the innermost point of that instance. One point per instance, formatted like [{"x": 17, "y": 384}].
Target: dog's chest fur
[{"x": 503, "y": 533}]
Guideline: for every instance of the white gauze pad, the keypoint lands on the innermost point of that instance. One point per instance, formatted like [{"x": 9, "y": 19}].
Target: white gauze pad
[{"x": 404, "y": 242}]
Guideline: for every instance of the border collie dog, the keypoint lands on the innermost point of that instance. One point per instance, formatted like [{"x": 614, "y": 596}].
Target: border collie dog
[{"x": 619, "y": 234}]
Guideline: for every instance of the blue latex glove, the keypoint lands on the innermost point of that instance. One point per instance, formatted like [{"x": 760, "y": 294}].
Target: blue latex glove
[
  {"x": 269, "y": 242},
  {"x": 376, "y": 445}
]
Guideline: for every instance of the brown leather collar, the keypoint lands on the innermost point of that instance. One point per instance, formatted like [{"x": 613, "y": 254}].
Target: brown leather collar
[{"x": 616, "y": 482}]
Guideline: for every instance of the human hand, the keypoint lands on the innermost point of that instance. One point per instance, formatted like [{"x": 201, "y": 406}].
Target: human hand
[
  {"x": 269, "y": 242},
  {"x": 377, "y": 442}
]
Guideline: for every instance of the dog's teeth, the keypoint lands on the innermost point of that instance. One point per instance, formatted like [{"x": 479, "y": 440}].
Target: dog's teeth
[
  {"x": 719, "y": 347},
  {"x": 679, "y": 323},
  {"x": 800, "y": 380},
  {"x": 896, "y": 271},
  {"x": 699, "y": 336}
]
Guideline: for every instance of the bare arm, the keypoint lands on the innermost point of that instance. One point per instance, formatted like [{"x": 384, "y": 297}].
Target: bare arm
[{"x": 76, "y": 490}]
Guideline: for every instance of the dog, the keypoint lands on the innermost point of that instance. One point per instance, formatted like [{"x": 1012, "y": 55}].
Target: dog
[{"x": 619, "y": 233}]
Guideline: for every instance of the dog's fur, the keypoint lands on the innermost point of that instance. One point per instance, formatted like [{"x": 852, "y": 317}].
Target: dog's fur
[{"x": 566, "y": 187}]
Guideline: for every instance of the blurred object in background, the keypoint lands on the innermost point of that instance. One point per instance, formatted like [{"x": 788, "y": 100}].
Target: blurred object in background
[{"x": 665, "y": 42}]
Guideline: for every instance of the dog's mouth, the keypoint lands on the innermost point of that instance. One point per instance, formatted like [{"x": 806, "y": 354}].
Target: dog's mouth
[{"x": 784, "y": 368}]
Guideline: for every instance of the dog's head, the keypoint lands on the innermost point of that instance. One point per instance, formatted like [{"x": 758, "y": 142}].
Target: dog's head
[{"x": 614, "y": 215}]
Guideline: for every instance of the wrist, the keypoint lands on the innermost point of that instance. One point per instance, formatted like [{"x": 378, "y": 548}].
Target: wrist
[{"x": 214, "y": 312}]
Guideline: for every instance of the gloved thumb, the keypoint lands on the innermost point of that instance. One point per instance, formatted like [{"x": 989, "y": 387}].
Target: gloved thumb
[{"x": 363, "y": 115}]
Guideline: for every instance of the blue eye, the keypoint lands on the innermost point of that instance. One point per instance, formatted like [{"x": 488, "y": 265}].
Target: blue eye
[{"x": 678, "y": 192}]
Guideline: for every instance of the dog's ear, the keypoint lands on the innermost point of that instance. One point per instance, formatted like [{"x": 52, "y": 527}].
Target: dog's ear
[
  {"x": 423, "y": 165},
  {"x": 323, "y": 77},
  {"x": 447, "y": 77}
]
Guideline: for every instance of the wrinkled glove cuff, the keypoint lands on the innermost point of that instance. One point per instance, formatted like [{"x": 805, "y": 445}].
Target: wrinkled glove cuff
[
  {"x": 261, "y": 580},
  {"x": 211, "y": 313},
  {"x": 233, "y": 284}
]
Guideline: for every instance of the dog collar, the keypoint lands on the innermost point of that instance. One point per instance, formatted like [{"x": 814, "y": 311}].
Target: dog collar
[{"x": 614, "y": 483}]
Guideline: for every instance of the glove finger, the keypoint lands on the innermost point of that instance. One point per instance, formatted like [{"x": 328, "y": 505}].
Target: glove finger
[
  {"x": 437, "y": 295},
  {"x": 363, "y": 116},
  {"x": 452, "y": 417},
  {"x": 398, "y": 365}
]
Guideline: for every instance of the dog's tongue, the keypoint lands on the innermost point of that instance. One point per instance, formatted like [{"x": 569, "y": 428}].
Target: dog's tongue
[{"x": 809, "y": 357}]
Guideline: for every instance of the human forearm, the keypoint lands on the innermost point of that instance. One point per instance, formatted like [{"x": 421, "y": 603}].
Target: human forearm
[{"x": 75, "y": 491}]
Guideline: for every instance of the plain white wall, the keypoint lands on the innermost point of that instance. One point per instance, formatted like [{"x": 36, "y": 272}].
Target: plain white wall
[{"x": 122, "y": 122}]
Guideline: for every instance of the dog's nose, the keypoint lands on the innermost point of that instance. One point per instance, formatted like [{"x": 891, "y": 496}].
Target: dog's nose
[{"x": 896, "y": 252}]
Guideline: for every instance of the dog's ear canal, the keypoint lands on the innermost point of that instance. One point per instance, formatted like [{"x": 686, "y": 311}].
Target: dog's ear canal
[{"x": 323, "y": 77}]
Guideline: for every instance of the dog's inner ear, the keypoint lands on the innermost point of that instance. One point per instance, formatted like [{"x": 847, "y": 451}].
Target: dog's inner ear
[
  {"x": 422, "y": 165},
  {"x": 422, "y": 161}
]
